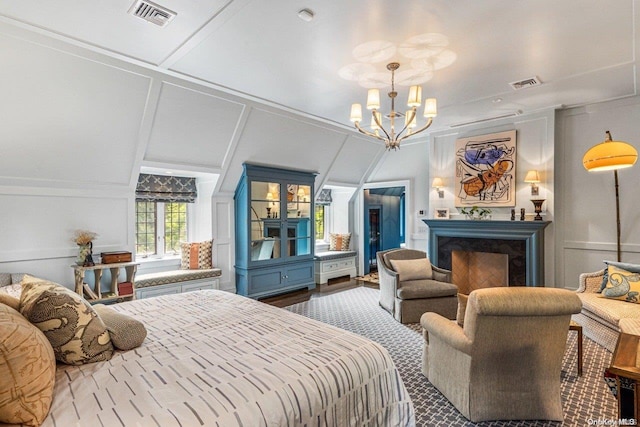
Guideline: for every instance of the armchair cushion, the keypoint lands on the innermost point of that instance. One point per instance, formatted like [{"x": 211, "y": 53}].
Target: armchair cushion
[
  {"x": 425, "y": 288},
  {"x": 413, "y": 269}
]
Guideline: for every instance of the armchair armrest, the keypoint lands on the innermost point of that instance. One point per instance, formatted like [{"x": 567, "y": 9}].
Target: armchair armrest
[
  {"x": 590, "y": 282},
  {"x": 446, "y": 330},
  {"x": 440, "y": 274},
  {"x": 388, "y": 282}
]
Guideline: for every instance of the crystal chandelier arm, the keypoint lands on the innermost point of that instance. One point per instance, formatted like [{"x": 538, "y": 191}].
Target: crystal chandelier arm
[
  {"x": 423, "y": 128},
  {"x": 371, "y": 134}
]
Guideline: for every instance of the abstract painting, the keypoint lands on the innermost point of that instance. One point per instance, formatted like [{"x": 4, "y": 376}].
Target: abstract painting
[{"x": 486, "y": 170}]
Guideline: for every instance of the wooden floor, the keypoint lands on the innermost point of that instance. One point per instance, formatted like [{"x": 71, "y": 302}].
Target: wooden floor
[{"x": 304, "y": 294}]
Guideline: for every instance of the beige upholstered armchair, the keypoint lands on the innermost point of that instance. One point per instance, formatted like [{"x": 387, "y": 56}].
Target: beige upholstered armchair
[
  {"x": 410, "y": 286},
  {"x": 505, "y": 363}
]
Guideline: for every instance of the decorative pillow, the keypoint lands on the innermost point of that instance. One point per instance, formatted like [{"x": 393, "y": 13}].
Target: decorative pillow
[
  {"x": 462, "y": 309},
  {"x": 197, "y": 256},
  {"x": 633, "y": 268},
  {"x": 126, "y": 332},
  {"x": 14, "y": 290},
  {"x": 27, "y": 370},
  {"x": 623, "y": 285},
  {"x": 73, "y": 328},
  {"x": 9, "y": 300},
  {"x": 413, "y": 269},
  {"x": 339, "y": 242}
]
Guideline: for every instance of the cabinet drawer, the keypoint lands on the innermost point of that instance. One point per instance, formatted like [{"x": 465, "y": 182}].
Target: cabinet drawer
[
  {"x": 197, "y": 286},
  {"x": 346, "y": 263},
  {"x": 148, "y": 293}
]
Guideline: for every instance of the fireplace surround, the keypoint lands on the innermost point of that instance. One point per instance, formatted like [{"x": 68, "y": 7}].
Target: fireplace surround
[{"x": 523, "y": 241}]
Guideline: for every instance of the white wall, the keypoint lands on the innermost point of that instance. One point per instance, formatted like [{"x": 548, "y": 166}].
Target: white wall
[
  {"x": 535, "y": 138},
  {"x": 585, "y": 201},
  {"x": 38, "y": 226}
]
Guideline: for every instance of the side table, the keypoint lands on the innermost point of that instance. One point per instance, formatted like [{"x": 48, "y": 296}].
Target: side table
[{"x": 574, "y": 326}]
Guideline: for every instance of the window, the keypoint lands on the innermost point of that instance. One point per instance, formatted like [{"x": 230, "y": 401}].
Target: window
[
  {"x": 320, "y": 219},
  {"x": 157, "y": 221}
]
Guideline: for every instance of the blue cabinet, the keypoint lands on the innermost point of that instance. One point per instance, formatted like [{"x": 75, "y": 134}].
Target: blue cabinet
[{"x": 274, "y": 231}]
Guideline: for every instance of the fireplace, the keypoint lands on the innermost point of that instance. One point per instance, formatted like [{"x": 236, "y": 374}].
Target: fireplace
[
  {"x": 471, "y": 270},
  {"x": 521, "y": 241}
]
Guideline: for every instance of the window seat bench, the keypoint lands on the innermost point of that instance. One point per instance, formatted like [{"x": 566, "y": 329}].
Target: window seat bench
[
  {"x": 176, "y": 281},
  {"x": 333, "y": 264}
]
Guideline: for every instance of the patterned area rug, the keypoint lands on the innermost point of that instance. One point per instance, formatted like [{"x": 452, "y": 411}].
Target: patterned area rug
[{"x": 586, "y": 400}]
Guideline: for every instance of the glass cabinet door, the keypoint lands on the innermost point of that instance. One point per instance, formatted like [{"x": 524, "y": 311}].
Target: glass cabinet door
[
  {"x": 265, "y": 220},
  {"x": 299, "y": 225}
]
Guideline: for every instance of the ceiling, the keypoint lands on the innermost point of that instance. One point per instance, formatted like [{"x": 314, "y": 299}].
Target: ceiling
[{"x": 582, "y": 51}]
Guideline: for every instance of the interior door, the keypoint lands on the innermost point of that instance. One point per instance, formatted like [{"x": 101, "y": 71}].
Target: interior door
[{"x": 375, "y": 238}]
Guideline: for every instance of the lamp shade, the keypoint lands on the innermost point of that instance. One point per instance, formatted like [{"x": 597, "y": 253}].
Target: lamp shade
[
  {"x": 356, "y": 113},
  {"x": 610, "y": 155},
  {"x": 532, "y": 176},
  {"x": 430, "y": 108},
  {"x": 437, "y": 183},
  {"x": 373, "y": 99}
]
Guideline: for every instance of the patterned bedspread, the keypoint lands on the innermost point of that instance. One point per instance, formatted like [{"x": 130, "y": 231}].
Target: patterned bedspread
[{"x": 212, "y": 358}]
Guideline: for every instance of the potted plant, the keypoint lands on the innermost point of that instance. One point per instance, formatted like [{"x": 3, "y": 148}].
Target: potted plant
[{"x": 476, "y": 213}]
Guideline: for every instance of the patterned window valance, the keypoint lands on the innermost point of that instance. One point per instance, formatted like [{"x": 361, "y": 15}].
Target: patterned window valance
[
  {"x": 324, "y": 198},
  {"x": 160, "y": 188}
]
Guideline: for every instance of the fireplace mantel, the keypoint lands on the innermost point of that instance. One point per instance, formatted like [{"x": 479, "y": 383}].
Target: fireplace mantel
[{"x": 531, "y": 232}]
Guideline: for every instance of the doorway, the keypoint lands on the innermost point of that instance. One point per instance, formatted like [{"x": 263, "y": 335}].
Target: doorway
[
  {"x": 375, "y": 213},
  {"x": 384, "y": 222}
]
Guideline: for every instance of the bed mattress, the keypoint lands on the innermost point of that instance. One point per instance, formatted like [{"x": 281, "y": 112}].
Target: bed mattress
[{"x": 212, "y": 358}]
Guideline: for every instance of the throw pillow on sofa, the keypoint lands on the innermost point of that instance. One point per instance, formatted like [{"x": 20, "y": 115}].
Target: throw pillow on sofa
[
  {"x": 27, "y": 370},
  {"x": 71, "y": 325},
  {"x": 633, "y": 268},
  {"x": 622, "y": 284}
]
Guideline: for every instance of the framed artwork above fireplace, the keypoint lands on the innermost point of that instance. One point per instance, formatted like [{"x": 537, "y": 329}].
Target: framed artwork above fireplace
[{"x": 486, "y": 170}]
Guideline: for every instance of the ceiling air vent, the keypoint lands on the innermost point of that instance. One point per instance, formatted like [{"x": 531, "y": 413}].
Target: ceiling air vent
[
  {"x": 152, "y": 12},
  {"x": 533, "y": 81}
]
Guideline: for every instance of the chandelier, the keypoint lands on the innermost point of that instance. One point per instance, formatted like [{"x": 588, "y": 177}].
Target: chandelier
[{"x": 392, "y": 138}]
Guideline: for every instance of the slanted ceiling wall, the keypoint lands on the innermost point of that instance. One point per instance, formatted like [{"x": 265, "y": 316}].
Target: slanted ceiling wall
[{"x": 77, "y": 126}]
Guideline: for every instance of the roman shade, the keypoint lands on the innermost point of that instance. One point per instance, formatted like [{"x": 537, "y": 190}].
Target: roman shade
[
  {"x": 324, "y": 198},
  {"x": 161, "y": 188}
]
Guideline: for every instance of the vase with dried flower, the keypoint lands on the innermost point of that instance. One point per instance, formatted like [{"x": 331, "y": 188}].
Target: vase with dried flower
[{"x": 84, "y": 240}]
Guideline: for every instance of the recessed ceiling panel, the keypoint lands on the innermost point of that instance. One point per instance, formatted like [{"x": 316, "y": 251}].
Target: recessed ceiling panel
[
  {"x": 354, "y": 160},
  {"x": 66, "y": 119},
  {"x": 410, "y": 161},
  {"x": 192, "y": 128},
  {"x": 298, "y": 64},
  {"x": 107, "y": 24},
  {"x": 283, "y": 141}
]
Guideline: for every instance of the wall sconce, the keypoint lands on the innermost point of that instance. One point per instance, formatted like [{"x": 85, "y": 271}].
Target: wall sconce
[
  {"x": 533, "y": 178},
  {"x": 438, "y": 184}
]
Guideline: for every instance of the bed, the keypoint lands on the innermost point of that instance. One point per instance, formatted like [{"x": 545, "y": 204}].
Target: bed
[{"x": 212, "y": 358}]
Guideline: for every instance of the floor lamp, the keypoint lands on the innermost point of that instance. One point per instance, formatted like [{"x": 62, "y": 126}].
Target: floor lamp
[{"x": 611, "y": 155}]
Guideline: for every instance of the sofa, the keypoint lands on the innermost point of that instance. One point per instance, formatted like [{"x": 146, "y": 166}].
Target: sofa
[{"x": 600, "y": 316}]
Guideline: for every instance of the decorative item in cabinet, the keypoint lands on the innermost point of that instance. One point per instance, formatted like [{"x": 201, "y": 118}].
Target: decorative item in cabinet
[{"x": 118, "y": 291}]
